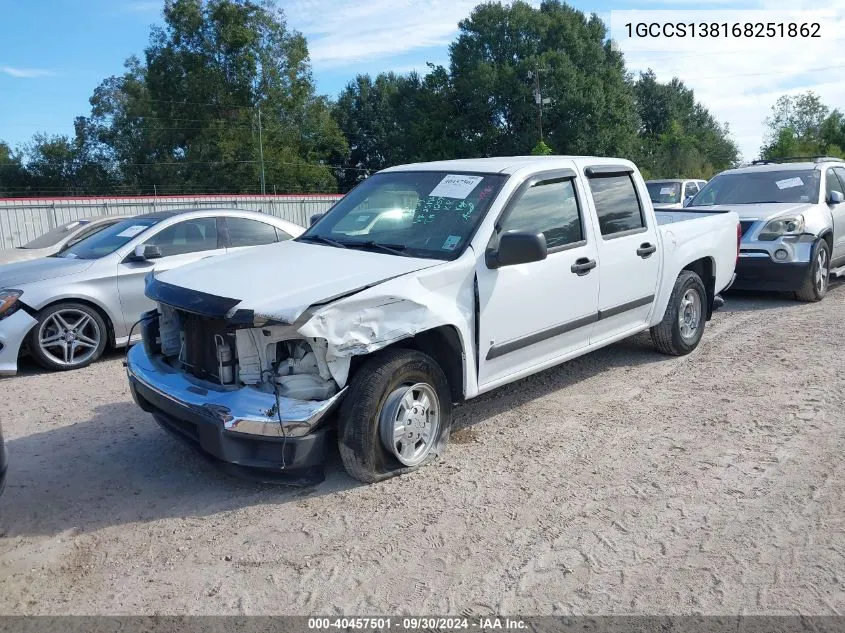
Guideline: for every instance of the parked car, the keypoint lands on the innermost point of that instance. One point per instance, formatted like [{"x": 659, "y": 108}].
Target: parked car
[
  {"x": 490, "y": 270},
  {"x": 59, "y": 238},
  {"x": 68, "y": 307},
  {"x": 793, "y": 222},
  {"x": 672, "y": 193}
]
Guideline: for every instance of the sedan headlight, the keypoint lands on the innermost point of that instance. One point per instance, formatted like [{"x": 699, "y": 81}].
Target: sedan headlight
[
  {"x": 9, "y": 303},
  {"x": 782, "y": 226}
]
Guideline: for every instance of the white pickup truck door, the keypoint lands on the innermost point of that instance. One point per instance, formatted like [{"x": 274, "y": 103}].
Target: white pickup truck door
[
  {"x": 534, "y": 312},
  {"x": 628, "y": 250}
]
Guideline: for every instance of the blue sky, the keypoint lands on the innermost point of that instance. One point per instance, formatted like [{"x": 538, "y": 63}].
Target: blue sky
[{"x": 53, "y": 53}]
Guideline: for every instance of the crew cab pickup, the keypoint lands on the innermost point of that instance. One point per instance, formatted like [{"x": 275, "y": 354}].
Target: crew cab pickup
[{"x": 426, "y": 285}]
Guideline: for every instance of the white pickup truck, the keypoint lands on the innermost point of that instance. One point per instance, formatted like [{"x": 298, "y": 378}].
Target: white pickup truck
[{"x": 427, "y": 285}]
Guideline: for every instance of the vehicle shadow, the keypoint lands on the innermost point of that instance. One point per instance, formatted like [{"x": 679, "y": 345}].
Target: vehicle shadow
[
  {"x": 632, "y": 352},
  {"x": 28, "y": 367},
  {"x": 119, "y": 467},
  {"x": 752, "y": 300}
]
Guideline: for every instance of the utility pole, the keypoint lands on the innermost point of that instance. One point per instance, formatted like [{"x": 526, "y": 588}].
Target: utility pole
[
  {"x": 261, "y": 150},
  {"x": 538, "y": 97}
]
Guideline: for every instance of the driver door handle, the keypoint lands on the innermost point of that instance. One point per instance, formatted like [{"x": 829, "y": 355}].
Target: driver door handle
[
  {"x": 582, "y": 266},
  {"x": 646, "y": 250}
]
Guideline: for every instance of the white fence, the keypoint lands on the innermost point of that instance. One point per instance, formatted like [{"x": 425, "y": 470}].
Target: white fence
[{"x": 23, "y": 219}]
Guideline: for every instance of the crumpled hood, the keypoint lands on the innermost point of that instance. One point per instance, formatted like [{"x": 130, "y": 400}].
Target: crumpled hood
[
  {"x": 758, "y": 211},
  {"x": 21, "y": 273},
  {"x": 280, "y": 281}
]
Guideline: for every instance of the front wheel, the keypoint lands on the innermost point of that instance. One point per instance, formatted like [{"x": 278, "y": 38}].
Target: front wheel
[
  {"x": 815, "y": 286},
  {"x": 68, "y": 336},
  {"x": 396, "y": 416},
  {"x": 683, "y": 322}
]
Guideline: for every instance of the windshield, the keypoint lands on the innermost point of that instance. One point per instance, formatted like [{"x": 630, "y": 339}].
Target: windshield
[
  {"x": 51, "y": 238},
  {"x": 421, "y": 214},
  {"x": 793, "y": 185},
  {"x": 108, "y": 240},
  {"x": 664, "y": 192}
]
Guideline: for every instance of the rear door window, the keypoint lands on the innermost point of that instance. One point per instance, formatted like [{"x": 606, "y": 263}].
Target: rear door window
[
  {"x": 247, "y": 232},
  {"x": 617, "y": 204},
  {"x": 189, "y": 236}
]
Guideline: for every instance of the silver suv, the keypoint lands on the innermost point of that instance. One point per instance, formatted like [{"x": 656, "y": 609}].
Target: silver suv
[{"x": 792, "y": 220}]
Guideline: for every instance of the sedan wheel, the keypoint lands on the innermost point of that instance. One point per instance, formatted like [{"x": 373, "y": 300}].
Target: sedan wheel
[{"x": 68, "y": 336}]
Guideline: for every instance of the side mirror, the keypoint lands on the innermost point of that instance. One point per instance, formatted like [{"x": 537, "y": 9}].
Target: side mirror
[
  {"x": 687, "y": 200},
  {"x": 517, "y": 248},
  {"x": 835, "y": 197},
  {"x": 315, "y": 218},
  {"x": 143, "y": 252}
]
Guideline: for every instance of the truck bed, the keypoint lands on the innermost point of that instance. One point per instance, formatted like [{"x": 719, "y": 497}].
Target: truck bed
[{"x": 671, "y": 216}]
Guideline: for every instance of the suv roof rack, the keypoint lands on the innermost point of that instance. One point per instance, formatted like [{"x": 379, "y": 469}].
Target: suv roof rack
[{"x": 798, "y": 159}]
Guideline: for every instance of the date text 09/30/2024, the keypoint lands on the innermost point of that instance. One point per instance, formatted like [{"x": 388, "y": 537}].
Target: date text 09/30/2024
[{"x": 480, "y": 623}]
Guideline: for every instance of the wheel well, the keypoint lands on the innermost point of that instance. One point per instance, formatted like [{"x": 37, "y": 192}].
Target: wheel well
[
  {"x": 443, "y": 344},
  {"x": 704, "y": 268},
  {"x": 93, "y": 306},
  {"x": 828, "y": 237}
]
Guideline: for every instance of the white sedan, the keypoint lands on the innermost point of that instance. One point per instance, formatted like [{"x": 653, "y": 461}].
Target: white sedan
[{"x": 65, "y": 309}]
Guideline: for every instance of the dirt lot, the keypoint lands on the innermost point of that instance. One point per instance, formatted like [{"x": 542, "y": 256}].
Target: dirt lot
[{"x": 623, "y": 482}]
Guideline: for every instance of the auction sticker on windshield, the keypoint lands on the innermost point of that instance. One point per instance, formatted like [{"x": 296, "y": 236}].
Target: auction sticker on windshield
[
  {"x": 667, "y": 191},
  {"x": 789, "y": 183},
  {"x": 451, "y": 242},
  {"x": 455, "y": 186},
  {"x": 132, "y": 231}
]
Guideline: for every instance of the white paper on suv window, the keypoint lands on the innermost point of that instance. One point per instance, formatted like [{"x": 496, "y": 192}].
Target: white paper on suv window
[
  {"x": 666, "y": 191},
  {"x": 455, "y": 186},
  {"x": 131, "y": 231},
  {"x": 789, "y": 183}
]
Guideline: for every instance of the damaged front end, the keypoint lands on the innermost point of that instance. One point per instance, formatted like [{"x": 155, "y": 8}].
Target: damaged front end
[{"x": 257, "y": 399}]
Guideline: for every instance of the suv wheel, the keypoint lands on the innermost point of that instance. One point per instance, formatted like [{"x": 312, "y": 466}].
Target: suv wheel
[{"x": 815, "y": 286}]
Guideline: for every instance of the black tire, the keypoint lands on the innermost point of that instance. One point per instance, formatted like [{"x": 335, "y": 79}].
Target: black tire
[
  {"x": 48, "y": 325},
  {"x": 815, "y": 286},
  {"x": 365, "y": 457},
  {"x": 667, "y": 335}
]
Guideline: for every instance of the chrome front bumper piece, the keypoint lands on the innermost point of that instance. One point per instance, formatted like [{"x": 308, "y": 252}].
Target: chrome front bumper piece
[{"x": 242, "y": 410}]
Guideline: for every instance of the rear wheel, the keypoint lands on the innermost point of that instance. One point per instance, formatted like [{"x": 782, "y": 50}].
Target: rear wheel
[
  {"x": 815, "y": 286},
  {"x": 68, "y": 336},
  {"x": 683, "y": 322},
  {"x": 396, "y": 416}
]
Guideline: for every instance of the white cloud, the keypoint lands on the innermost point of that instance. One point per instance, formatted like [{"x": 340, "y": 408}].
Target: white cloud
[
  {"x": 26, "y": 73},
  {"x": 738, "y": 80},
  {"x": 346, "y": 32}
]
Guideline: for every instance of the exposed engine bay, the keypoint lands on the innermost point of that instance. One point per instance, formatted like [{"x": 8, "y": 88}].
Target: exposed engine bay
[{"x": 275, "y": 359}]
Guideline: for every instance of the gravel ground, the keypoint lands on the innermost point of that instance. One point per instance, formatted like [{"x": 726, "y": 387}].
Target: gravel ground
[{"x": 622, "y": 482}]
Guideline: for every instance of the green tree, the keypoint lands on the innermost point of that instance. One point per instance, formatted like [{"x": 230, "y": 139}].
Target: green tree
[
  {"x": 541, "y": 149},
  {"x": 591, "y": 109},
  {"x": 14, "y": 179},
  {"x": 801, "y": 125},
  {"x": 678, "y": 137},
  {"x": 186, "y": 117}
]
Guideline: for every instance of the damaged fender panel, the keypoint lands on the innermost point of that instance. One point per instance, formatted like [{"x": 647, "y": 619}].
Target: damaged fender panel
[{"x": 395, "y": 310}]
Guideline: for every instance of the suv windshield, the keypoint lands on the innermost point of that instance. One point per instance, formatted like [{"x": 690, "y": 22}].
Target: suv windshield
[
  {"x": 664, "y": 192},
  {"x": 51, "y": 238},
  {"x": 108, "y": 240},
  {"x": 792, "y": 185},
  {"x": 421, "y": 213}
]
